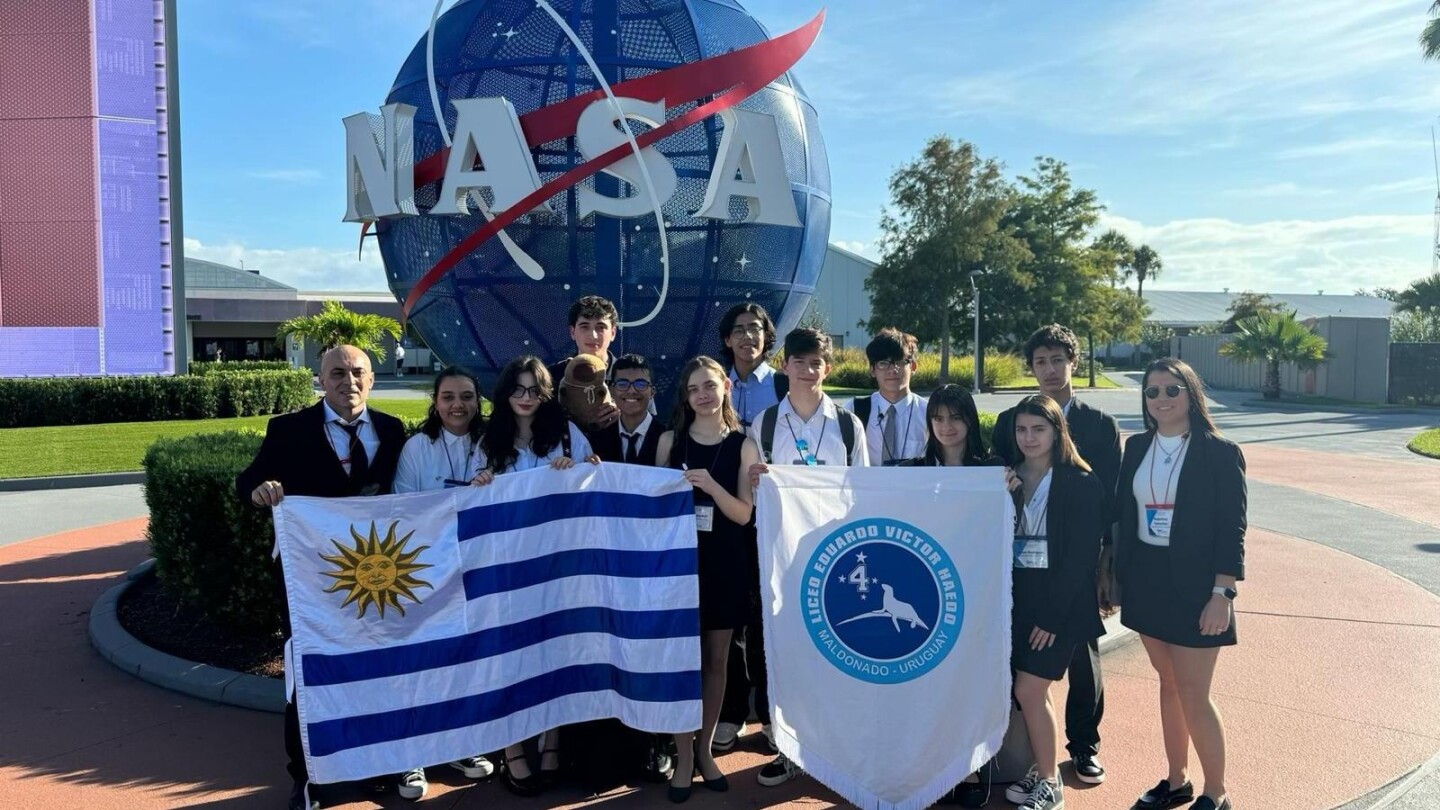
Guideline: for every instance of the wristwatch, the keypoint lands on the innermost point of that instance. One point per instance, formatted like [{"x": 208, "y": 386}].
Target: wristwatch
[{"x": 1228, "y": 593}]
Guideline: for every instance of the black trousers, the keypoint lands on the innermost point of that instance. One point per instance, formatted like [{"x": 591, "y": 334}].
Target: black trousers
[
  {"x": 293, "y": 747},
  {"x": 1085, "y": 704},
  {"x": 746, "y": 671}
]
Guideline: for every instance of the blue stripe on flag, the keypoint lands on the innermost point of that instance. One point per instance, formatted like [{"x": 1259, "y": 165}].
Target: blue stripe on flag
[
  {"x": 505, "y": 517},
  {"x": 330, "y": 670},
  {"x": 676, "y": 562},
  {"x": 332, "y": 736}
]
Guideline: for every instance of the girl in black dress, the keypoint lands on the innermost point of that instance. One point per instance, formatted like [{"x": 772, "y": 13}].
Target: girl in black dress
[
  {"x": 1055, "y": 608},
  {"x": 708, "y": 445},
  {"x": 1179, "y": 552}
]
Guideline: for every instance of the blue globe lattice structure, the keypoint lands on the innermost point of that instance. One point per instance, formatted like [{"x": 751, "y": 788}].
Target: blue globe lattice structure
[{"x": 486, "y": 311}]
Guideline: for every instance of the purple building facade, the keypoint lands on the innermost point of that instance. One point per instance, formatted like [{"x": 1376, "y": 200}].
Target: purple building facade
[{"x": 86, "y": 284}]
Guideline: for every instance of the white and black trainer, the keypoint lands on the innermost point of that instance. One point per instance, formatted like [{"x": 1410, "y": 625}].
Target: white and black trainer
[
  {"x": 1047, "y": 795},
  {"x": 1019, "y": 792}
]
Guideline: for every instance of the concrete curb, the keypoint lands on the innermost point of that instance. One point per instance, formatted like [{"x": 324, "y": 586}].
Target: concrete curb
[
  {"x": 116, "y": 645},
  {"x": 71, "y": 481},
  {"x": 1301, "y": 407}
]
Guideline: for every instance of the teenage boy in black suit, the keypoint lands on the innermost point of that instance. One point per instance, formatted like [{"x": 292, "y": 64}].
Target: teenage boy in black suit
[
  {"x": 1052, "y": 353},
  {"x": 335, "y": 448},
  {"x": 634, "y": 438}
]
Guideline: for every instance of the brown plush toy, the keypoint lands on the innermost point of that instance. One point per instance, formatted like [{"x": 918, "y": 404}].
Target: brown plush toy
[{"x": 583, "y": 392}]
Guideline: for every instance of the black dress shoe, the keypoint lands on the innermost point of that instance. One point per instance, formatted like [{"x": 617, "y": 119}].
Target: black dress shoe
[
  {"x": 1162, "y": 796},
  {"x": 719, "y": 784},
  {"x": 972, "y": 794},
  {"x": 1207, "y": 803},
  {"x": 525, "y": 788},
  {"x": 297, "y": 798},
  {"x": 678, "y": 795}
]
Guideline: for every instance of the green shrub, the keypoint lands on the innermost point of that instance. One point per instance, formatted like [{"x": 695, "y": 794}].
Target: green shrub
[
  {"x": 203, "y": 367},
  {"x": 211, "y": 550},
  {"x": 99, "y": 400},
  {"x": 852, "y": 370}
]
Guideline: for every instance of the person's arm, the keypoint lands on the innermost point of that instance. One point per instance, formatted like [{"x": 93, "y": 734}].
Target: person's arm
[
  {"x": 1230, "y": 507},
  {"x": 259, "y": 484},
  {"x": 1073, "y": 569},
  {"x": 662, "y": 448}
]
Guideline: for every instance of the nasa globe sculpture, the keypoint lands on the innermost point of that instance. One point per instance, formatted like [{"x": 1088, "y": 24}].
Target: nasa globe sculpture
[{"x": 525, "y": 192}]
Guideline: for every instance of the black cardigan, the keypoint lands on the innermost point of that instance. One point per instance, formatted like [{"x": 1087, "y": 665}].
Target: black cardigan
[
  {"x": 1207, "y": 536},
  {"x": 1074, "y": 521}
]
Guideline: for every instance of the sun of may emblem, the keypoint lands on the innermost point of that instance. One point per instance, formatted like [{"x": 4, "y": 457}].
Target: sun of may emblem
[{"x": 377, "y": 570}]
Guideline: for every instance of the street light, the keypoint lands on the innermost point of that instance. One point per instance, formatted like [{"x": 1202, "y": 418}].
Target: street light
[{"x": 975, "y": 307}]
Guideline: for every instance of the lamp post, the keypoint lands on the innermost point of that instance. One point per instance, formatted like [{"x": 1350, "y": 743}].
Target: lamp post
[{"x": 975, "y": 307}]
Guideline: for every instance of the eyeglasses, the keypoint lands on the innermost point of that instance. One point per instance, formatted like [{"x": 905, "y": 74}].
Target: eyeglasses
[
  {"x": 747, "y": 330},
  {"x": 638, "y": 386},
  {"x": 887, "y": 366},
  {"x": 1171, "y": 391},
  {"x": 524, "y": 392}
]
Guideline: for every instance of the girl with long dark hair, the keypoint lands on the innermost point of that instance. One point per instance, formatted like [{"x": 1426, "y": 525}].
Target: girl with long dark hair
[
  {"x": 708, "y": 445},
  {"x": 1179, "y": 552}
]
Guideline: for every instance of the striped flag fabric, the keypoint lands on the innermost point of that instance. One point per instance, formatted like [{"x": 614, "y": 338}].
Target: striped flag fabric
[{"x": 432, "y": 626}]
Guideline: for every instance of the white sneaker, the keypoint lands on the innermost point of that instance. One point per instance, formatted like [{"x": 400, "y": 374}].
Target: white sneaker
[
  {"x": 474, "y": 767},
  {"x": 769, "y": 738},
  {"x": 413, "y": 785},
  {"x": 725, "y": 736},
  {"x": 1019, "y": 792}
]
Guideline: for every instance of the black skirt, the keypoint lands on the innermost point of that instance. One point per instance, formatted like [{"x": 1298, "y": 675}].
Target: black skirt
[
  {"x": 1153, "y": 606},
  {"x": 1051, "y": 662}
]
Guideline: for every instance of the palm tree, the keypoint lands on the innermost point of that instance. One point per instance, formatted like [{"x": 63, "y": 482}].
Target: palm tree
[
  {"x": 334, "y": 325},
  {"x": 1422, "y": 294},
  {"x": 1116, "y": 252},
  {"x": 1146, "y": 264},
  {"x": 1274, "y": 339},
  {"x": 1430, "y": 37}
]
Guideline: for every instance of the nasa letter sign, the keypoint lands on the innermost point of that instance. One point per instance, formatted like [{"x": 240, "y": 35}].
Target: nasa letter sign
[{"x": 659, "y": 154}]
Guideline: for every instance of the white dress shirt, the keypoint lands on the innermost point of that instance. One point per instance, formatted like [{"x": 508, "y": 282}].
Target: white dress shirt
[
  {"x": 426, "y": 463},
  {"x": 910, "y": 431},
  {"x": 340, "y": 438},
  {"x": 640, "y": 433},
  {"x": 821, "y": 434},
  {"x": 527, "y": 460}
]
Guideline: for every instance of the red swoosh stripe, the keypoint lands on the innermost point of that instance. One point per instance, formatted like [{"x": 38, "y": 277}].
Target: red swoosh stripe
[{"x": 748, "y": 70}]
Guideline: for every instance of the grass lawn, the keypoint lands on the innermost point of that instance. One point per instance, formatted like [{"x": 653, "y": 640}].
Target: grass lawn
[
  {"x": 1427, "y": 443},
  {"x": 120, "y": 447},
  {"x": 1080, "y": 381}
]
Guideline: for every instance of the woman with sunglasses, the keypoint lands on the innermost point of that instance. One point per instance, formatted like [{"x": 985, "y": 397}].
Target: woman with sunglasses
[
  {"x": 1179, "y": 552},
  {"x": 1060, "y": 517},
  {"x": 528, "y": 430}
]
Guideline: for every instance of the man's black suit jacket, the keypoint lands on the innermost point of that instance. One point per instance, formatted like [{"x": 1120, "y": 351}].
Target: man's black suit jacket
[
  {"x": 1097, "y": 438},
  {"x": 297, "y": 453},
  {"x": 609, "y": 445}
]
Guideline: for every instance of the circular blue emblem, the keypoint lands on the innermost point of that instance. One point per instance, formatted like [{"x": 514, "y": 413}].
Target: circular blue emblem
[{"x": 882, "y": 600}]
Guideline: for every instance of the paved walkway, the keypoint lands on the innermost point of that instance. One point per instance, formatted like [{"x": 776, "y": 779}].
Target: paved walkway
[{"x": 1331, "y": 691}]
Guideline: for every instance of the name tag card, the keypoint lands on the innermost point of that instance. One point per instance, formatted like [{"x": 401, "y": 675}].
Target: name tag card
[
  {"x": 704, "y": 518},
  {"x": 1158, "y": 519},
  {"x": 1031, "y": 551}
]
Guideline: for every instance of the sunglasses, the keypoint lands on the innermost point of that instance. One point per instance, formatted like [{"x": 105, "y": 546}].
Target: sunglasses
[
  {"x": 638, "y": 386},
  {"x": 1171, "y": 391}
]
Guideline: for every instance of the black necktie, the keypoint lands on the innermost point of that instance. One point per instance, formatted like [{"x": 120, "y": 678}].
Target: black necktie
[
  {"x": 632, "y": 455},
  {"x": 359, "y": 459}
]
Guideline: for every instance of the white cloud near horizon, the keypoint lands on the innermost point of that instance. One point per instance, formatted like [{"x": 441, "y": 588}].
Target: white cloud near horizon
[{"x": 306, "y": 268}]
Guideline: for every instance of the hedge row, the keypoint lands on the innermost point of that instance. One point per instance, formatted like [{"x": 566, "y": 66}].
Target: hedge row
[
  {"x": 203, "y": 367},
  {"x": 98, "y": 400},
  {"x": 852, "y": 370},
  {"x": 211, "y": 550}
]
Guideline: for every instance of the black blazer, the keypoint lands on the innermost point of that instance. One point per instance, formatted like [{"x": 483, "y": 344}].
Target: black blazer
[
  {"x": 1207, "y": 536},
  {"x": 297, "y": 453},
  {"x": 1074, "y": 523},
  {"x": 1097, "y": 438},
  {"x": 609, "y": 445}
]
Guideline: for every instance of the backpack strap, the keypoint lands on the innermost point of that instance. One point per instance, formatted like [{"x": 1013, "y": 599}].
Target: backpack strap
[
  {"x": 861, "y": 407},
  {"x": 847, "y": 422},
  {"x": 767, "y": 431}
]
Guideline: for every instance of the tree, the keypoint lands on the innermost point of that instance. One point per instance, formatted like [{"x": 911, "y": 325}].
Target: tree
[
  {"x": 1430, "y": 36},
  {"x": 1146, "y": 264},
  {"x": 1383, "y": 293},
  {"x": 943, "y": 222},
  {"x": 1114, "y": 252},
  {"x": 1109, "y": 315},
  {"x": 334, "y": 325},
  {"x": 1274, "y": 339},
  {"x": 1249, "y": 305},
  {"x": 1421, "y": 294},
  {"x": 1419, "y": 326}
]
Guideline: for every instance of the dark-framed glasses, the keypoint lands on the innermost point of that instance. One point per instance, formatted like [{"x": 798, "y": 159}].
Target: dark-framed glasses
[
  {"x": 747, "y": 330},
  {"x": 1171, "y": 391},
  {"x": 638, "y": 386},
  {"x": 525, "y": 392},
  {"x": 887, "y": 366}
]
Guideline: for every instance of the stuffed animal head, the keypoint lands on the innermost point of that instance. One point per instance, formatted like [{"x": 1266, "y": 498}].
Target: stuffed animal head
[{"x": 583, "y": 392}]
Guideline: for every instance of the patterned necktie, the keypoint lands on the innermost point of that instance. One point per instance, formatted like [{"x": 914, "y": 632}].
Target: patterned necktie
[
  {"x": 359, "y": 459},
  {"x": 632, "y": 454},
  {"x": 889, "y": 449}
]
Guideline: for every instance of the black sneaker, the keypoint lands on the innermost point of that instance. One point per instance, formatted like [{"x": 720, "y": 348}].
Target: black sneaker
[
  {"x": 777, "y": 772},
  {"x": 1207, "y": 803},
  {"x": 1018, "y": 792},
  {"x": 1161, "y": 796},
  {"x": 1047, "y": 795},
  {"x": 659, "y": 766},
  {"x": 968, "y": 794},
  {"x": 1088, "y": 769}
]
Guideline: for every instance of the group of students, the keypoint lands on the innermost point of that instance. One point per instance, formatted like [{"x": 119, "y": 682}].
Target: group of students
[{"x": 1092, "y": 523}]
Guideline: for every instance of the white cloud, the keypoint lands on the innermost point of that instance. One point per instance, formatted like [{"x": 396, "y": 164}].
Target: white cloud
[
  {"x": 307, "y": 268},
  {"x": 1336, "y": 255},
  {"x": 1274, "y": 190},
  {"x": 1412, "y": 186},
  {"x": 1346, "y": 146},
  {"x": 869, "y": 251}
]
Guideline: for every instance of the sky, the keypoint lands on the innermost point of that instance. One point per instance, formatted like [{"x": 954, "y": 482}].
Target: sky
[{"x": 1277, "y": 146}]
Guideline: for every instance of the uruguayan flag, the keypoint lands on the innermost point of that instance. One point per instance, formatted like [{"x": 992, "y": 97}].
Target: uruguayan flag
[{"x": 433, "y": 626}]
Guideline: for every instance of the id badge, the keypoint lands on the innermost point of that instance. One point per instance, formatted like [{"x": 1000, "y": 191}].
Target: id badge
[
  {"x": 1031, "y": 551},
  {"x": 704, "y": 518},
  {"x": 809, "y": 461},
  {"x": 1158, "y": 519}
]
